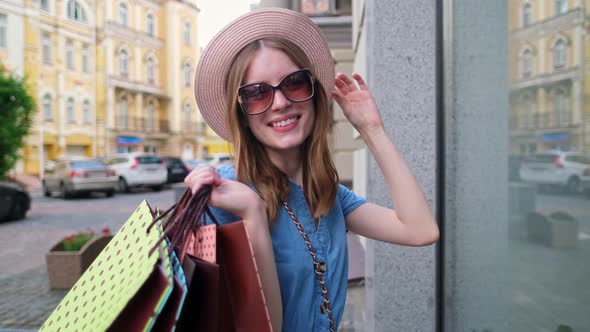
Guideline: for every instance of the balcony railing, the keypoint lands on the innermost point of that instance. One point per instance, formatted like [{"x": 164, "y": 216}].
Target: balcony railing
[
  {"x": 541, "y": 121},
  {"x": 142, "y": 125},
  {"x": 193, "y": 127}
]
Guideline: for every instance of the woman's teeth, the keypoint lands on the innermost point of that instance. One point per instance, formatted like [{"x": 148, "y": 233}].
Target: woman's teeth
[{"x": 284, "y": 122}]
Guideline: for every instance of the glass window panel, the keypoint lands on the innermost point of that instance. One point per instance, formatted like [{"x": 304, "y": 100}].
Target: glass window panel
[
  {"x": 47, "y": 111},
  {"x": 123, "y": 14},
  {"x": 187, "y": 33},
  {"x": 70, "y": 110},
  {"x": 123, "y": 115},
  {"x": 517, "y": 227},
  {"x": 2, "y": 30}
]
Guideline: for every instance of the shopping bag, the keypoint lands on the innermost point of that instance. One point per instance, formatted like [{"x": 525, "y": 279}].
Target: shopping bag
[
  {"x": 125, "y": 288},
  {"x": 224, "y": 287}
]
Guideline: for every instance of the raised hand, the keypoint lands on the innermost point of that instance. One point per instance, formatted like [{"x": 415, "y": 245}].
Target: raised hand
[{"x": 356, "y": 102}]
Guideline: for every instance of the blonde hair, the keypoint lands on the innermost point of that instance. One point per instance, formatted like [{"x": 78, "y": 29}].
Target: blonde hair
[{"x": 253, "y": 166}]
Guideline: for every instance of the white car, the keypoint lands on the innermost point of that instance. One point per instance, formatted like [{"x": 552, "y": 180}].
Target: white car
[
  {"x": 139, "y": 170},
  {"x": 568, "y": 170}
]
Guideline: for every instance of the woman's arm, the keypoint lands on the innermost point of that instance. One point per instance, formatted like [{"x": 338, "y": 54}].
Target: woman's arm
[
  {"x": 240, "y": 200},
  {"x": 412, "y": 223}
]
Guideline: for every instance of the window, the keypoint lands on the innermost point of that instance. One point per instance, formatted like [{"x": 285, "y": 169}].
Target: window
[
  {"x": 187, "y": 74},
  {"x": 187, "y": 115},
  {"x": 187, "y": 33},
  {"x": 150, "y": 70},
  {"x": 560, "y": 7},
  {"x": 559, "y": 53},
  {"x": 150, "y": 24},
  {"x": 527, "y": 15},
  {"x": 46, "y": 42},
  {"x": 2, "y": 31},
  {"x": 85, "y": 58},
  {"x": 123, "y": 113},
  {"x": 70, "y": 55},
  {"x": 123, "y": 63},
  {"x": 123, "y": 13},
  {"x": 43, "y": 4},
  {"x": 70, "y": 110},
  {"x": 526, "y": 63},
  {"x": 150, "y": 115},
  {"x": 86, "y": 112},
  {"x": 561, "y": 107},
  {"x": 76, "y": 12},
  {"x": 326, "y": 7},
  {"x": 47, "y": 112}
]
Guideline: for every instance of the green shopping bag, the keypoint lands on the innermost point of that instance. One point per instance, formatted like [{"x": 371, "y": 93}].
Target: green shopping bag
[{"x": 125, "y": 288}]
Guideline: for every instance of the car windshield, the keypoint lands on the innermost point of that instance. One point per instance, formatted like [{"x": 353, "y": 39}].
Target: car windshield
[
  {"x": 86, "y": 164},
  {"x": 148, "y": 160},
  {"x": 541, "y": 158}
]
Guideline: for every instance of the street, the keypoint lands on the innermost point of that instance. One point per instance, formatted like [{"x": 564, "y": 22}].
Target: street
[{"x": 26, "y": 299}]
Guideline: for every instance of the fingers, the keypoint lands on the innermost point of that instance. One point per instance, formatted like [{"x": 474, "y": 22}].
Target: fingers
[
  {"x": 202, "y": 176},
  {"x": 338, "y": 96},
  {"x": 360, "y": 81},
  {"x": 345, "y": 84}
]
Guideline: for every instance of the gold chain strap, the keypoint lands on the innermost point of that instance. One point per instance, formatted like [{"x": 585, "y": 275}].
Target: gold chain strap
[{"x": 318, "y": 272}]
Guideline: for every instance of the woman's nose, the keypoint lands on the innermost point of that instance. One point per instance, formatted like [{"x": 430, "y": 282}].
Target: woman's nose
[{"x": 279, "y": 101}]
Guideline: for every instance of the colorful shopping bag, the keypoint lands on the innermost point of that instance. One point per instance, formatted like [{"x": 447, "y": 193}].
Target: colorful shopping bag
[
  {"x": 125, "y": 288},
  {"x": 225, "y": 291}
]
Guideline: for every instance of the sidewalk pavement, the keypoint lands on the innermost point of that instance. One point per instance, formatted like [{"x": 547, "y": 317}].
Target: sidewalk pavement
[{"x": 27, "y": 300}]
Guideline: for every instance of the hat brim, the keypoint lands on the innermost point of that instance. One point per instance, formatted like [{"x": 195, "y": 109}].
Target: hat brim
[{"x": 216, "y": 59}]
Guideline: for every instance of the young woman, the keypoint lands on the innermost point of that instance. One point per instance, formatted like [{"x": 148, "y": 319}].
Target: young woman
[{"x": 265, "y": 83}]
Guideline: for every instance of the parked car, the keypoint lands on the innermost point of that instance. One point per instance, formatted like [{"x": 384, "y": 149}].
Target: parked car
[
  {"x": 139, "y": 170},
  {"x": 71, "y": 176},
  {"x": 15, "y": 201},
  {"x": 194, "y": 163},
  {"x": 176, "y": 168},
  {"x": 220, "y": 159},
  {"x": 568, "y": 170}
]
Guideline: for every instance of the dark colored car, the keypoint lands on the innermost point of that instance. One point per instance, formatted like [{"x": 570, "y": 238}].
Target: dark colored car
[
  {"x": 14, "y": 201},
  {"x": 177, "y": 170}
]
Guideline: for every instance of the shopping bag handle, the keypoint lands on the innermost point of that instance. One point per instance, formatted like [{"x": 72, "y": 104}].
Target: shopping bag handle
[{"x": 186, "y": 217}]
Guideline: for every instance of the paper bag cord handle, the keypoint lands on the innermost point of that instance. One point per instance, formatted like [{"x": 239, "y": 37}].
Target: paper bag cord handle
[{"x": 186, "y": 217}]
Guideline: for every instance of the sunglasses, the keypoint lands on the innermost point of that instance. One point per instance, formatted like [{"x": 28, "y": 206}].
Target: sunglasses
[{"x": 256, "y": 98}]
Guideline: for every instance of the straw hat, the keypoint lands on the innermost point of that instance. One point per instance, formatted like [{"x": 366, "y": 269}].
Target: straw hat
[{"x": 213, "y": 67}]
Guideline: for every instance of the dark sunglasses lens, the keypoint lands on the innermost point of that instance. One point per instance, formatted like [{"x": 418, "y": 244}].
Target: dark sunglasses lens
[
  {"x": 297, "y": 86},
  {"x": 255, "y": 97}
]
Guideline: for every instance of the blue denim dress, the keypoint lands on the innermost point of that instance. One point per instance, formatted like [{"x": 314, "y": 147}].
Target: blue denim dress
[{"x": 300, "y": 290}]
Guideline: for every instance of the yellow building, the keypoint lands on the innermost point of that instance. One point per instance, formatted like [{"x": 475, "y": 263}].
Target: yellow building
[
  {"x": 145, "y": 67},
  {"x": 549, "y": 52},
  {"x": 112, "y": 76},
  {"x": 59, "y": 44}
]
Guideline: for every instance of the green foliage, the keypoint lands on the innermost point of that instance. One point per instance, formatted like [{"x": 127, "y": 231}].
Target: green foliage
[
  {"x": 17, "y": 108},
  {"x": 75, "y": 242}
]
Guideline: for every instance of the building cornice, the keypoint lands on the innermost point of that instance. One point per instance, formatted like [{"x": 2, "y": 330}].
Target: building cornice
[
  {"x": 573, "y": 18},
  {"x": 337, "y": 29},
  {"x": 572, "y": 73},
  {"x": 137, "y": 87},
  {"x": 114, "y": 29}
]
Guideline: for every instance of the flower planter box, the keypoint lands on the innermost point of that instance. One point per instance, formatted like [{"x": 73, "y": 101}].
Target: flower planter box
[{"x": 65, "y": 267}]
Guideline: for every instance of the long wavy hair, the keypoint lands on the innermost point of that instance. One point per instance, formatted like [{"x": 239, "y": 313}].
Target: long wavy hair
[{"x": 320, "y": 178}]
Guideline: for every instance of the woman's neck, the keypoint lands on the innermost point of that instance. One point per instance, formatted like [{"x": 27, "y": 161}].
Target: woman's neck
[{"x": 289, "y": 163}]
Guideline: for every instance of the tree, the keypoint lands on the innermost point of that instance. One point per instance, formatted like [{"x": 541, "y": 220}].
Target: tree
[{"x": 17, "y": 108}]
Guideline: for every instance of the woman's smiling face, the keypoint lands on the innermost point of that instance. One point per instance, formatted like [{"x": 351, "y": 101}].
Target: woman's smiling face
[{"x": 286, "y": 124}]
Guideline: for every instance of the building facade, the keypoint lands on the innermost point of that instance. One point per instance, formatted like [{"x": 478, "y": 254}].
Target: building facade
[
  {"x": 60, "y": 55},
  {"x": 335, "y": 19},
  {"x": 11, "y": 31},
  {"x": 146, "y": 64},
  {"x": 548, "y": 76},
  {"x": 109, "y": 77}
]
